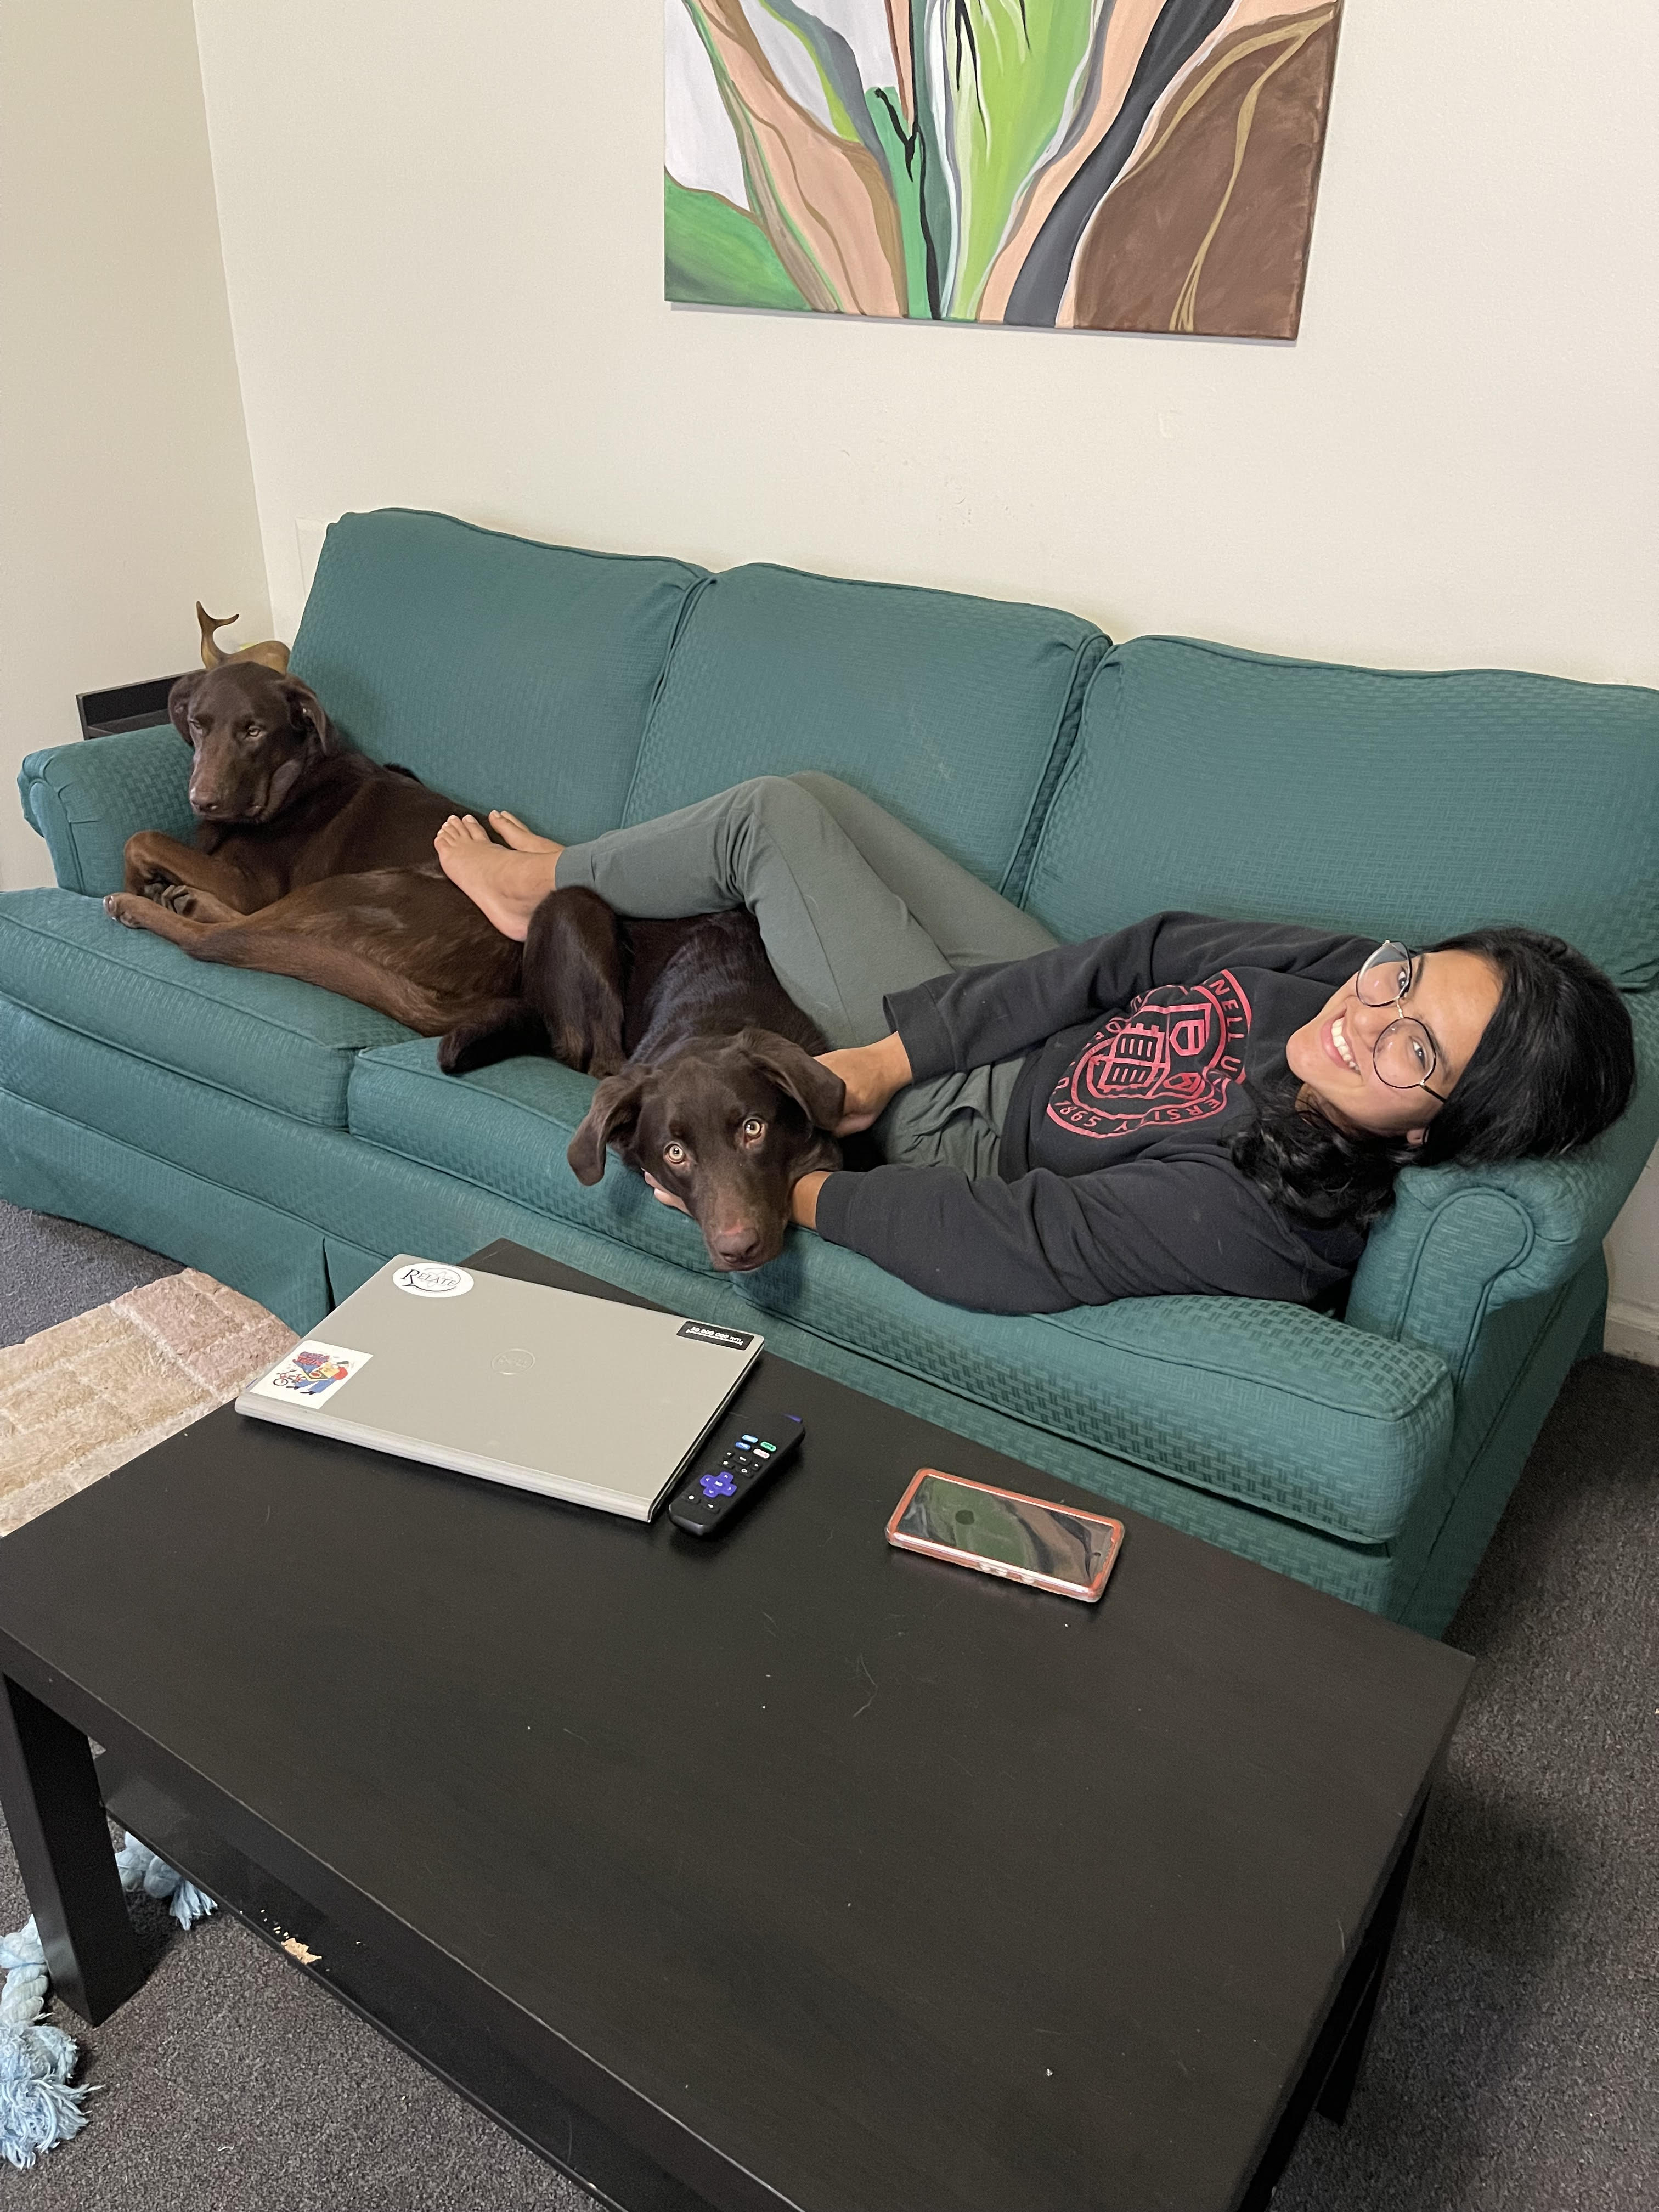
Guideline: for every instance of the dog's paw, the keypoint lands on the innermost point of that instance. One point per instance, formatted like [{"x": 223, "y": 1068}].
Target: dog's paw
[{"x": 125, "y": 907}]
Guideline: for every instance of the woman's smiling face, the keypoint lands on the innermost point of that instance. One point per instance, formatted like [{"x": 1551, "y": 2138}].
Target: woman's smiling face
[{"x": 1453, "y": 994}]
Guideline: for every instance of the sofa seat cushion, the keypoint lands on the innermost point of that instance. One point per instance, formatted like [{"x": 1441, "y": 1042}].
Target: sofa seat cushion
[
  {"x": 504, "y": 672},
  {"x": 1402, "y": 804},
  {"x": 505, "y": 1127},
  {"x": 282, "y": 1044},
  {"x": 1267, "y": 1404},
  {"x": 951, "y": 711}
]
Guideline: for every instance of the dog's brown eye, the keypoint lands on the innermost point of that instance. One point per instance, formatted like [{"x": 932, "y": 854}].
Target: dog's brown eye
[
  {"x": 754, "y": 1129},
  {"x": 675, "y": 1155}
]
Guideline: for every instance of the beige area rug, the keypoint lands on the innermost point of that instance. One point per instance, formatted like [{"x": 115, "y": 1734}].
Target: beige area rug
[{"x": 82, "y": 1399}]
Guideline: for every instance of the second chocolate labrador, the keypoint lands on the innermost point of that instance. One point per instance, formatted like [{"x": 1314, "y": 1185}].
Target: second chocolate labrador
[{"x": 710, "y": 1086}]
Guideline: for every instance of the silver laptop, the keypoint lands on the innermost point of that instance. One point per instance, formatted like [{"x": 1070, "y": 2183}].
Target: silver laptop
[{"x": 580, "y": 1398}]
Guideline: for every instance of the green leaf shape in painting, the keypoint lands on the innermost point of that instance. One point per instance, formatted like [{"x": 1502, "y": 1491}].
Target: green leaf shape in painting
[
  {"x": 717, "y": 255},
  {"x": 902, "y": 152},
  {"x": 1003, "y": 78},
  {"x": 937, "y": 191}
]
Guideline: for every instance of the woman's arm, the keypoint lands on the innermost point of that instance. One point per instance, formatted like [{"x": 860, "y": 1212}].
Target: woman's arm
[
  {"x": 1142, "y": 1228},
  {"x": 804, "y": 1198}
]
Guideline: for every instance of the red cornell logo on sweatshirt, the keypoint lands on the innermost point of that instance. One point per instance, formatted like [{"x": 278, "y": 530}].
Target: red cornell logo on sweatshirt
[{"x": 1169, "y": 1060}]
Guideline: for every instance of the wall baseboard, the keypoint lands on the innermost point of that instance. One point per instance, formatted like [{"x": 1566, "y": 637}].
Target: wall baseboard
[{"x": 1632, "y": 1332}]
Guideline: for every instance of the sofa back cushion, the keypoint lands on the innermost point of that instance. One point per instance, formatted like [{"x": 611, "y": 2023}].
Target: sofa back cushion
[
  {"x": 504, "y": 672},
  {"x": 951, "y": 711},
  {"x": 1406, "y": 804}
]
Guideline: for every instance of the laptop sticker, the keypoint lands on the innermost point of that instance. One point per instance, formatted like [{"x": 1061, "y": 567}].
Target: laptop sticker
[
  {"x": 311, "y": 1373},
  {"x": 430, "y": 1279},
  {"x": 703, "y": 1331}
]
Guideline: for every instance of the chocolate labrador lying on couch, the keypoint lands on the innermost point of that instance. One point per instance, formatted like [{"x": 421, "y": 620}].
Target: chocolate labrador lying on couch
[
  {"x": 310, "y": 861},
  {"x": 710, "y": 1087}
]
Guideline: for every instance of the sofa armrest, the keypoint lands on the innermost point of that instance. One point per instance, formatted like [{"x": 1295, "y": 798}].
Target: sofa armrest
[
  {"x": 1461, "y": 1242},
  {"x": 86, "y": 799}
]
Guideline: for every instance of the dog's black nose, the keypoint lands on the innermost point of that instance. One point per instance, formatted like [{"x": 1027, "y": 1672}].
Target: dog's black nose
[{"x": 740, "y": 1244}]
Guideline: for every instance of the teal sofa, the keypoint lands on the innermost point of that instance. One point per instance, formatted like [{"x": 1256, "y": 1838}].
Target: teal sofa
[{"x": 288, "y": 1141}]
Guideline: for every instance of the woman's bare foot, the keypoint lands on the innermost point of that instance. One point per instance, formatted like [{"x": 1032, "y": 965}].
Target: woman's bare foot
[{"x": 507, "y": 884}]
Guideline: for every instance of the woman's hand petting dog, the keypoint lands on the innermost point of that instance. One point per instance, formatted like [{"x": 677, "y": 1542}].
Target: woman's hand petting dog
[{"x": 874, "y": 1073}]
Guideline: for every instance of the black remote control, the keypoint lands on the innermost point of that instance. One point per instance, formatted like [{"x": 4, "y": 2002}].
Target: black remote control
[{"x": 726, "y": 1483}]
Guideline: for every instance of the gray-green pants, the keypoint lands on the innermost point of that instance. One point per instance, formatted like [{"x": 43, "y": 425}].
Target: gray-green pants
[{"x": 851, "y": 906}]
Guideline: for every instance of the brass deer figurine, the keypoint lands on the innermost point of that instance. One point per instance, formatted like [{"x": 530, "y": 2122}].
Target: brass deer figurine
[{"x": 270, "y": 653}]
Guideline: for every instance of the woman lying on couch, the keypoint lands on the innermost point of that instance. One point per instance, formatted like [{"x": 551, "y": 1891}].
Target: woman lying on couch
[{"x": 1186, "y": 1105}]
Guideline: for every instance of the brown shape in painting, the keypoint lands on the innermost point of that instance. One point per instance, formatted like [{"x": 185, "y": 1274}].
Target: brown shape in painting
[{"x": 1209, "y": 231}]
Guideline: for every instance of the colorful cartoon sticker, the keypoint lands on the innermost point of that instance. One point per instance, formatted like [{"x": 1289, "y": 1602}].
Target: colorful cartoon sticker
[{"x": 311, "y": 1373}]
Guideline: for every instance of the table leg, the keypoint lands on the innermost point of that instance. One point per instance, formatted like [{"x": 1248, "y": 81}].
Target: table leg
[
  {"x": 1370, "y": 1972},
  {"x": 49, "y": 1793},
  {"x": 1329, "y": 2080}
]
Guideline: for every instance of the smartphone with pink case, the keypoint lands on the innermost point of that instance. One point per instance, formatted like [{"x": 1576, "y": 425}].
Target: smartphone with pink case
[{"x": 1003, "y": 1532}]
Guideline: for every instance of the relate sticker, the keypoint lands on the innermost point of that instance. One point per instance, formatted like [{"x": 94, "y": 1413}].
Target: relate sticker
[
  {"x": 431, "y": 1278},
  {"x": 311, "y": 1373}
]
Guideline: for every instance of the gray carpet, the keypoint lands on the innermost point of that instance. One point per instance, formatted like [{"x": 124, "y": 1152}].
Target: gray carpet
[
  {"x": 52, "y": 1270},
  {"x": 1515, "y": 2066}
]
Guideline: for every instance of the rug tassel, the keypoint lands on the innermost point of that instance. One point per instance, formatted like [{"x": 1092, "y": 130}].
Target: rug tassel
[
  {"x": 38, "y": 2108},
  {"x": 139, "y": 1869}
]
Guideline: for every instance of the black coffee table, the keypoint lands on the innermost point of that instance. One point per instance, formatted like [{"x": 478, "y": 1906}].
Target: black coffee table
[{"x": 784, "y": 1871}]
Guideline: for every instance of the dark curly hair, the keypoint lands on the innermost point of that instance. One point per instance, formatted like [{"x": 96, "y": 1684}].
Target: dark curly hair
[{"x": 1555, "y": 1065}]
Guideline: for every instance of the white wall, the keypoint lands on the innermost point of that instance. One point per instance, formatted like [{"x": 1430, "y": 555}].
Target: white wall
[
  {"x": 442, "y": 231},
  {"x": 125, "y": 492}
]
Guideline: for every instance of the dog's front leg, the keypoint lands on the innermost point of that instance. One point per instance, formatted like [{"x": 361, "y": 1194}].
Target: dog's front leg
[
  {"x": 199, "y": 886},
  {"x": 133, "y": 911}
]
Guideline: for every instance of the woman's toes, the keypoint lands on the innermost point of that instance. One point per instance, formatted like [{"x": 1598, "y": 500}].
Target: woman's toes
[{"x": 511, "y": 832}]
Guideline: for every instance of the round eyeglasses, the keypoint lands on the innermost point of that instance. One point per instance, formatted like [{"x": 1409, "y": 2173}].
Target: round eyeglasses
[{"x": 1404, "y": 1054}]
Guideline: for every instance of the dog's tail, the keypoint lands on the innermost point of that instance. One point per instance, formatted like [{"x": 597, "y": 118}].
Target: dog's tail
[{"x": 501, "y": 1028}]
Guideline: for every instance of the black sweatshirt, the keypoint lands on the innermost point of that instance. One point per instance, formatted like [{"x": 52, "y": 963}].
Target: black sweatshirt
[{"x": 1116, "y": 1178}]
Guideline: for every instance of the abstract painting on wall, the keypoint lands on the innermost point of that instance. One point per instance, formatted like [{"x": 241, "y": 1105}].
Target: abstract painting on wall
[{"x": 1124, "y": 165}]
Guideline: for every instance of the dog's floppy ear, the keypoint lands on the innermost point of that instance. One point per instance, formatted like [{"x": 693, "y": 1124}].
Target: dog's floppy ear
[
  {"x": 308, "y": 714},
  {"x": 179, "y": 700},
  {"x": 820, "y": 1096},
  {"x": 615, "y": 1110}
]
